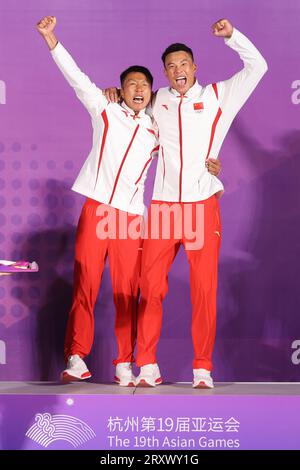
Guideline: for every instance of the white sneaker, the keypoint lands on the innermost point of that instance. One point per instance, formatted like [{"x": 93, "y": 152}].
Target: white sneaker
[
  {"x": 76, "y": 370},
  {"x": 149, "y": 376},
  {"x": 202, "y": 379},
  {"x": 124, "y": 376}
]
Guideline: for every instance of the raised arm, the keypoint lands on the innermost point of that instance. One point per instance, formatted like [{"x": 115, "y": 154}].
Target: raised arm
[
  {"x": 87, "y": 92},
  {"x": 236, "y": 90}
]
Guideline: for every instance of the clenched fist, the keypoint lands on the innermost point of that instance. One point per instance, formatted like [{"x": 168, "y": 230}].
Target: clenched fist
[
  {"x": 46, "y": 25},
  {"x": 222, "y": 28}
]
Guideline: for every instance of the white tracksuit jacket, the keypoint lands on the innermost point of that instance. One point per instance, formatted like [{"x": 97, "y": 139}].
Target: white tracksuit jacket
[
  {"x": 193, "y": 127},
  {"x": 123, "y": 144}
]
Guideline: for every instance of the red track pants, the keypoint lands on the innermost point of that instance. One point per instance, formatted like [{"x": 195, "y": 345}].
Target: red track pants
[
  {"x": 158, "y": 255},
  {"x": 124, "y": 263}
]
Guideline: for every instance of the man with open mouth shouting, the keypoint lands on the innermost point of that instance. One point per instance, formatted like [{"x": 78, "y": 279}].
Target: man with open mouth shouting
[
  {"x": 193, "y": 122},
  {"x": 112, "y": 178}
]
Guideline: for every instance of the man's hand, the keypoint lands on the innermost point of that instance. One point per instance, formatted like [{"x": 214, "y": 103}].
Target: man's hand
[
  {"x": 213, "y": 165},
  {"x": 46, "y": 25},
  {"x": 112, "y": 94},
  {"x": 222, "y": 28}
]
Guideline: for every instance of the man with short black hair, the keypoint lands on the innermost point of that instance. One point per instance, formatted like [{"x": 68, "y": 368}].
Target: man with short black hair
[
  {"x": 112, "y": 179},
  {"x": 193, "y": 122}
]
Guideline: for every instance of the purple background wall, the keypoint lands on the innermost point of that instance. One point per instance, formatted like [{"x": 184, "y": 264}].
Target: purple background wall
[{"x": 45, "y": 135}]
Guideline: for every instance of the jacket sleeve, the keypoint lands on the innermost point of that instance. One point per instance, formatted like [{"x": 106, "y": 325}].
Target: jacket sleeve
[
  {"x": 88, "y": 93},
  {"x": 234, "y": 92}
]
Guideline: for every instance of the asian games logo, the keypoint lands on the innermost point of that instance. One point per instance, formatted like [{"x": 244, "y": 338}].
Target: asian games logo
[{"x": 50, "y": 428}]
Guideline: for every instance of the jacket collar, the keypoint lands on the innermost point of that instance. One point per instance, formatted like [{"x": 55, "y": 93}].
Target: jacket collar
[{"x": 141, "y": 114}]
